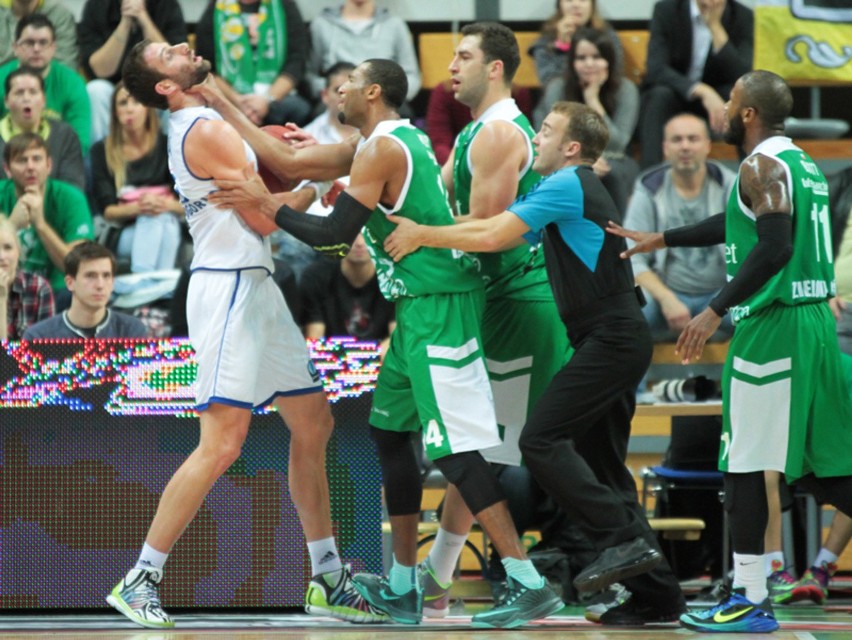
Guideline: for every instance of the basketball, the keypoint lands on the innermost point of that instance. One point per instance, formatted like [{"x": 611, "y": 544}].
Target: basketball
[{"x": 270, "y": 179}]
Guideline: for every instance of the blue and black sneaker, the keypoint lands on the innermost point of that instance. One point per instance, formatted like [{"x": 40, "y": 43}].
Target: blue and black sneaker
[{"x": 734, "y": 614}]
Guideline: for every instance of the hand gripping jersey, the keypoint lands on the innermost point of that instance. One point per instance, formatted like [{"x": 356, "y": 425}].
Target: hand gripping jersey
[{"x": 221, "y": 240}]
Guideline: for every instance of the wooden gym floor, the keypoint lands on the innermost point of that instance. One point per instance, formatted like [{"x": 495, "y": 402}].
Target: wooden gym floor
[{"x": 798, "y": 622}]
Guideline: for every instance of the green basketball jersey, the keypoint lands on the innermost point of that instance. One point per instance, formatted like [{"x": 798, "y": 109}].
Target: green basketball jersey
[
  {"x": 516, "y": 273},
  {"x": 809, "y": 275},
  {"x": 424, "y": 200}
]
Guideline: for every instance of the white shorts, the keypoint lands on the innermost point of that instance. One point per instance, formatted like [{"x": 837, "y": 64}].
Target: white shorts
[{"x": 248, "y": 347}]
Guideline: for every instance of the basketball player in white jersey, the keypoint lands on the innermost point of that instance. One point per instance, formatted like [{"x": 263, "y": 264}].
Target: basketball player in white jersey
[{"x": 248, "y": 347}]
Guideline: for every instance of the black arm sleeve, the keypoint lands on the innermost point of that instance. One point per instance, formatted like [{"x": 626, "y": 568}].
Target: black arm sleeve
[
  {"x": 331, "y": 235},
  {"x": 773, "y": 250},
  {"x": 701, "y": 234}
]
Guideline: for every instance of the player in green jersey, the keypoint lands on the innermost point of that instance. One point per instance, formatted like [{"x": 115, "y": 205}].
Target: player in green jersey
[
  {"x": 433, "y": 378},
  {"x": 785, "y": 407},
  {"x": 524, "y": 340}
]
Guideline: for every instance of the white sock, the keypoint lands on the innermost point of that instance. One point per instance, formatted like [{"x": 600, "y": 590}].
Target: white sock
[
  {"x": 402, "y": 578},
  {"x": 324, "y": 556},
  {"x": 776, "y": 558},
  {"x": 749, "y": 573},
  {"x": 150, "y": 558},
  {"x": 823, "y": 557},
  {"x": 444, "y": 555}
]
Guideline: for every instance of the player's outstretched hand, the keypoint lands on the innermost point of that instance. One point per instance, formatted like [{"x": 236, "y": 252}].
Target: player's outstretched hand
[
  {"x": 404, "y": 239},
  {"x": 645, "y": 241},
  {"x": 241, "y": 195}
]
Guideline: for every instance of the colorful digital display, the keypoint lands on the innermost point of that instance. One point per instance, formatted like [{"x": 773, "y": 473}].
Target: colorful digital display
[{"x": 90, "y": 433}]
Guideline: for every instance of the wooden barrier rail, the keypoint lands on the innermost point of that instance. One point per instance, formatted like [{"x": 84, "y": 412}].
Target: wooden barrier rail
[{"x": 435, "y": 51}]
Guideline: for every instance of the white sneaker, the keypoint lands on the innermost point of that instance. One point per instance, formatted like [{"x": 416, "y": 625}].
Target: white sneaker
[{"x": 137, "y": 597}]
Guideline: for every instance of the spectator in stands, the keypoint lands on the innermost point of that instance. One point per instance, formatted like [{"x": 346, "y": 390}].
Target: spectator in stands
[
  {"x": 326, "y": 127},
  {"x": 108, "y": 30},
  {"x": 446, "y": 116},
  {"x": 594, "y": 78},
  {"x": 550, "y": 50},
  {"x": 25, "y": 101},
  {"x": 51, "y": 216},
  {"x": 260, "y": 51},
  {"x": 64, "y": 89},
  {"x": 342, "y": 298},
  {"x": 89, "y": 274},
  {"x": 359, "y": 30},
  {"x": 132, "y": 185},
  {"x": 64, "y": 24},
  {"x": 680, "y": 281},
  {"x": 25, "y": 298},
  {"x": 697, "y": 50}
]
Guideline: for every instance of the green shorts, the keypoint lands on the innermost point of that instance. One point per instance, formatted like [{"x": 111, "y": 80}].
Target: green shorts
[
  {"x": 433, "y": 377},
  {"x": 786, "y": 406},
  {"x": 525, "y": 345}
]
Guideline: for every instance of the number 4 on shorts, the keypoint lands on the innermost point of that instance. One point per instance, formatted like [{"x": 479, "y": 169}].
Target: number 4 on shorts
[{"x": 434, "y": 437}]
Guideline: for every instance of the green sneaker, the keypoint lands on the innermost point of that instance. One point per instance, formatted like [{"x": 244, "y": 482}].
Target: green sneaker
[
  {"x": 781, "y": 584},
  {"x": 406, "y": 608},
  {"x": 814, "y": 583},
  {"x": 334, "y": 594},
  {"x": 436, "y": 596},
  {"x": 137, "y": 597},
  {"x": 520, "y": 605}
]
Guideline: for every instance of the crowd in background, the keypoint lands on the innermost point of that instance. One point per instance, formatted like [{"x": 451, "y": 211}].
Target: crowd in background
[{"x": 103, "y": 173}]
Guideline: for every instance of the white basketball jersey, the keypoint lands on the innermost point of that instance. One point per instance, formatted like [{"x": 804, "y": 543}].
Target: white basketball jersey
[{"x": 220, "y": 237}]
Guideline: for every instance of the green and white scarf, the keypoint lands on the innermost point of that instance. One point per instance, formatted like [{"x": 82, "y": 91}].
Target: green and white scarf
[{"x": 244, "y": 69}]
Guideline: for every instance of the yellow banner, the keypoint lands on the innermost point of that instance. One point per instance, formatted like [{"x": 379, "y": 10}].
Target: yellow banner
[{"x": 807, "y": 41}]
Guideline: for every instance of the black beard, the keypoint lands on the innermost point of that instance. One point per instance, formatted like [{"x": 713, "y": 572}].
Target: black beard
[
  {"x": 735, "y": 134},
  {"x": 196, "y": 76}
]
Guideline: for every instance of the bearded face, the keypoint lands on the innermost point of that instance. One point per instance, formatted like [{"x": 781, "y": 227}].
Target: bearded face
[
  {"x": 194, "y": 76},
  {"x": 735, "y": 131}
]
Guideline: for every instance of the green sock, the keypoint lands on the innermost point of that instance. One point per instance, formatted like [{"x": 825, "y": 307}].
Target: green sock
[
  {"x": 402, "y": 579},
  {"x": 523, "y": 571}
]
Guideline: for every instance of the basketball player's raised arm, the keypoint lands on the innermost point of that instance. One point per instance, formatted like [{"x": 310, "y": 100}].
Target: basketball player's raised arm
[
  {"x": 215, "y": 150},
  {"x": 377, "y": 175},
  {"x": 318, "y": 162}
]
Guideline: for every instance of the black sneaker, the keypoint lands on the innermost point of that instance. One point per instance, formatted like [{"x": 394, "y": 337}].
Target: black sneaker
[
  {"x": 618, "y": 563},
  {"x": 633, "y": 614}
]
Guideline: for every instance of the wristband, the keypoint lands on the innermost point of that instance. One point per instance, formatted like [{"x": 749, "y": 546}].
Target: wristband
[{"x": 321, "y": 188}]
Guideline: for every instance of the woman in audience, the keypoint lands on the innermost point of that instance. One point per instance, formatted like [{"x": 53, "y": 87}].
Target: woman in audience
[
  {"x": 594, "y": 78},
  {"x": 131, "y": 185},
  {"x": 25, "y": 298},
  {"x": 550, "y": 50}
]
